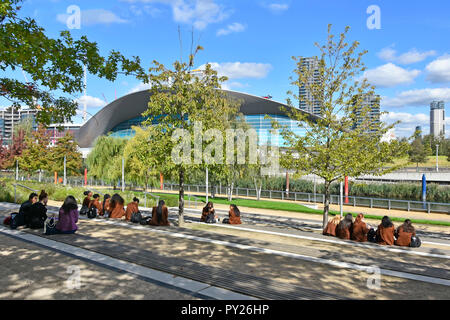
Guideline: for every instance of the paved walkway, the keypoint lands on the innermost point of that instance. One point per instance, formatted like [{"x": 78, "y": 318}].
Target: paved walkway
[
  {"x": 306, "y": 266},
  {"x": 33, "y": 272}
]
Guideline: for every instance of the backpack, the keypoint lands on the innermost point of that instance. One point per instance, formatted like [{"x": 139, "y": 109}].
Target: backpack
[
  {"x": 372, "y": 236},
  {"x": 136, "y": 217},
  {"x": 210, "y": 218},
  {"x": 415, "y": 242},
  {"x": 17, "y": 219},
  {"x": 8, "y": 222},
  {"x": 84, "y": 210},
  {"x": 92, "y": 213},
  {"x": 50, "y": 226},
  {"x": 145, "y": 221}
]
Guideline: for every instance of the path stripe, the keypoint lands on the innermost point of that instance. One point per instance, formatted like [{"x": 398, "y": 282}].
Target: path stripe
[
  {"x": 341, "y": 242},
  {"x": 186, "y": 284},
  {"x": 357, "y": 244},
  {"x": 368, "y": 269}
]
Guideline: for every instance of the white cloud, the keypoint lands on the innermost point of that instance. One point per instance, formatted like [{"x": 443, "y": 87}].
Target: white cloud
[
  {"x": 439, "y": 70},
  {"x": 140, "y": 87},
  {"x": 417, "y": 97},
  {"x": 94, "y": 17},
  {"x": 407, "y": 118},
  {"x": 412, "y": 56},
  {"x": 92, "y": 102},
  {"x": 408, "y": 122},
  {"x": 233, "y": 85},
  {"x": 390, "y": 75},
  {"x": 276, "y": 7},
  {"x": 199, "y": 13},
  {"x": 234, "y": 27},
  {"x": 239, "y": 70}
]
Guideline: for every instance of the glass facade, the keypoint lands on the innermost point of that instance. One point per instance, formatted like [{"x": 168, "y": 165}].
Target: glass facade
[
  {"x": 263, "y": 128},
  {"x": 258, "y": 122}
]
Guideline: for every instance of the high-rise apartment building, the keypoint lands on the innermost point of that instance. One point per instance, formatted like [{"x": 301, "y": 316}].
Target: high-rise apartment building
[
  {"x": 437, "y": 118},
  {"x": 10, "y": 117},
  {"x": 372, "y": 103},
  {"x": 309, "y": 102}
]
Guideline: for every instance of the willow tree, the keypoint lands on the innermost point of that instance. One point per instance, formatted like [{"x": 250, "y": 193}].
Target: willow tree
[
  {"x": 184, "y": 105},
  {"x": 141, "y": 155},
  {"x": 105, "y": 160},
  {"x": 345, "y": 140}
]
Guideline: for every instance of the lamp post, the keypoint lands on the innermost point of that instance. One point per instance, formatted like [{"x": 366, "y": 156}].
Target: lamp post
[
  {"x": 65, "y": 173},
  {"x": 341, "y": 198},
  {"x": 207, "y": 184},
  {"x": 123, "y": 174},
  {"x": 437, "y": 158}
]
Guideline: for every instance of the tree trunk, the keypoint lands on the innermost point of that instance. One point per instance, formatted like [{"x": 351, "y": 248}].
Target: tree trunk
[
  {"x": 258, "y": 190},
  {"x": 326, "y": 207},
  {"x": 230, "y": 192},
  {"x": 181, "y": 199}
]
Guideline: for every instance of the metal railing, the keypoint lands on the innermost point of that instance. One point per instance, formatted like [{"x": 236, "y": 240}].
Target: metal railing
[
  {"x": 355, "y": 201},
  {"x": 20, "y": 185}
]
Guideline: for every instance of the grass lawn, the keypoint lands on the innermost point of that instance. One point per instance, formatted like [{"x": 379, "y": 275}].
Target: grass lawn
[{"x": 430, "y": 163}]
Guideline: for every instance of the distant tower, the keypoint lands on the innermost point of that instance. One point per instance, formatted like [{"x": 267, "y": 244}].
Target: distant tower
[
  {"x": 310, "y": 103},
  {"x": 419, "y": 130},
  {"x": 373, "y": 102},
  {"x": 437, "y": 118}
]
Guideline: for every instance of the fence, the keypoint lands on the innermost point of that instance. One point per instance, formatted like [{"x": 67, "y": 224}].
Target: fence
[
  {"x": 354, "y": 201},
  {"x": 408, "y": 205}
]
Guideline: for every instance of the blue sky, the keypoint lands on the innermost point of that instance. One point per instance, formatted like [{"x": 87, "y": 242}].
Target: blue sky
[{"x": 251, "y": 41}]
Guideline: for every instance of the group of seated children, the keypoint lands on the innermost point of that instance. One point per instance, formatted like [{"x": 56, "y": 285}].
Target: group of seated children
[
  {"x": 359, "y": 231},
  {"x": 113, "y": 207},
  {"x": 209, "y": 215},
  {"x": 33, "y": 214}
]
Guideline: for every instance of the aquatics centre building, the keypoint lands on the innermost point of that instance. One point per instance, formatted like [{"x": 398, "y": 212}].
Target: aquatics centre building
[{"x": 118, "y": 118}]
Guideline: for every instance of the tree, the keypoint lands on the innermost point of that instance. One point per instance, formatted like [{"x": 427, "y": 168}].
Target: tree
[
  {"x": 36, "y": 155},
  {"x": 68, "y": 147},
  {"x": 141, "y": 159},
  {"x": 344, "y": 140},
  {"x": 15, "y": 149},
  {"x": 55, "y": 65},
  {"x": 418, "y": 152},
  {"x": 179, "y": 101},
  {"x": 4, "y": 155},
  {"x": 25, "y": 125},
  {"x": 105, "y": 160}
]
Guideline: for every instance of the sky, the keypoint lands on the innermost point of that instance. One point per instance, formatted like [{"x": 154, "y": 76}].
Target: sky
[{"x": 252, "y": 42}]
